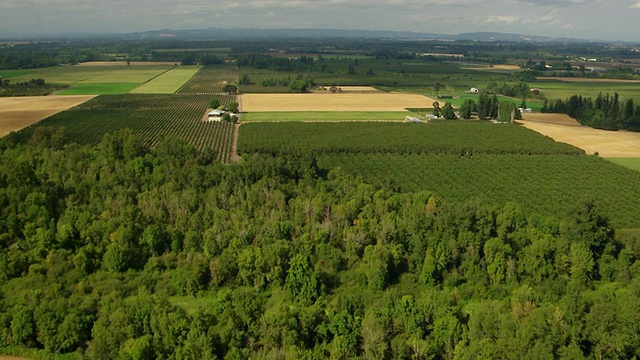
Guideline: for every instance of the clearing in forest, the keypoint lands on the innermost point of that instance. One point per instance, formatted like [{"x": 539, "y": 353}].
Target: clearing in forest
[
  {"x": 334, "y": 102},
  {"x": 606, "y": 143},
  {"x": 19, "y": 112}
]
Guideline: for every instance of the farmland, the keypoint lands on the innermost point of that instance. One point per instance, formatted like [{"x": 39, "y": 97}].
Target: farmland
[
  {"x": 606, "y": 143},
  {"x": 19, "y": 112},
  {"x": 152, "y": 116},
  {"x": 460, "y": 161},
  {"x": 325, "y": 116},
  {"x": 334, "y": 102},
  {"x": 210, "y": 80},
  {"x": 168, "y": 82}
]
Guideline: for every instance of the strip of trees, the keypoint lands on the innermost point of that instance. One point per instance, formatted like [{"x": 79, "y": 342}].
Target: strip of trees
[{"x": 605, "y": 112}]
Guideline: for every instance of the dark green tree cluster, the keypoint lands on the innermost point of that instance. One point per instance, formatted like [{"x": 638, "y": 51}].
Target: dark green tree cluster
[
  {"x": 605, "y": 112},
  {"x": 300, "y": 64},
  {"x": 487, "y": 106},
  {"x": 125, "y": 252}
]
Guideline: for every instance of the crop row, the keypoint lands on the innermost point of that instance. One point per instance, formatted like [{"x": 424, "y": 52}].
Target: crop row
[
  {"x": 152, "y": 116},
  {"x": 550, "y": 185},
  {"x": 459, "y": 138},
  {"x": 210, "y": 80}
]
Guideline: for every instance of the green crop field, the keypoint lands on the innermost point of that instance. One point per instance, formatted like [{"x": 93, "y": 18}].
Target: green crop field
[
  {"x": 461, "y": 161},
  {"x": 168, "y": 82},
  {"x": 326, "y": 116},
  {"x": 210, "y": 80},
  {"x": 554, "y": 89},
  {"x": 550, "y": 185},
  {"x": 90, "y": 80},
  {"x": 366, "y": 137},
  {"x": 98, "y": 89},
  {"x": 631, "y": 163},
  {"x": 152, "y": 116}
]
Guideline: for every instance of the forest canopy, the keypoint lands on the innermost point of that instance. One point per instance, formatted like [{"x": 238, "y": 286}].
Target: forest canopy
[{"x": 122, "y": 251}]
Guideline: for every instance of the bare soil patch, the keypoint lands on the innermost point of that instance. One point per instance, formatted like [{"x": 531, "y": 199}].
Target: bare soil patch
[
  {"x": 334, "y": 102},
  {"x": 19, "y": 112},
  {"x": 606, "y": 143},
  {"x": 586, "y": 80}
]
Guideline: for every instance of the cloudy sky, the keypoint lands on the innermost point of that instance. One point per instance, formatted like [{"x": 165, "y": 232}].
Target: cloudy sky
[{"x": 588, "y": 19}]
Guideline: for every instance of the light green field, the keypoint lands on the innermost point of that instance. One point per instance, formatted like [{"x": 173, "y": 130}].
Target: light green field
[
  {"x": 631, "y": 163},
  {"x": 129, "y": 74},
  {"x": 554, "y": 89},
  {"x": 10, "y": 74},
  {"x": 168, "y": 82},
  {"x": 70, "y": 75},
  {"x": 99, "y": 89},
  {"x": 322, "y": 116}
]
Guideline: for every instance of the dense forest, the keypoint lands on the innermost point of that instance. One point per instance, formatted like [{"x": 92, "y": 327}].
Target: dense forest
[
  {"x": 605, "y": 112},
  {"x": 121, "y": 251}
]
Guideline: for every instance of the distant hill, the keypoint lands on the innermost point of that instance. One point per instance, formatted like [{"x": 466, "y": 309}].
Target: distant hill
[{"x": 237, "y": 34}]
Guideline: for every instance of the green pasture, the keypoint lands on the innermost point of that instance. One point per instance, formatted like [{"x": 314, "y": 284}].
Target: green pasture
[
  {"x": 74, "y": 75},
  {"x": 168, "y": 82},
  {"x": 322, "y": 116},
  {"x": 631, "y": 163},
  {"x": 10, "y": 74},
  {"x": 555, "y": 89},
  {"x": 99, "y": 89}
]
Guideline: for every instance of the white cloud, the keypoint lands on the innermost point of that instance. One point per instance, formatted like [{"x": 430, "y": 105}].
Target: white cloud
[
  {"x": 503, "y": 19},
  {"x": 635, "y": 6}
]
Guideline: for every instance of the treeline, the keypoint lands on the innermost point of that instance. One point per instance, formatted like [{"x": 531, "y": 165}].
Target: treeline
[
  {"x": 33, "y": 87},
  {"x": 122, "y": 252},
  {"x": 187, "y": 57},
  {"x": 276, "y": 63},
  {"x": 605, "y": 112}
]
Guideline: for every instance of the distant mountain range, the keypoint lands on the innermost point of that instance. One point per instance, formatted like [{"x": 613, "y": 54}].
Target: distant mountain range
[
  {"x": 274, "y": 34},
  {"x": 258, "y": 34}
]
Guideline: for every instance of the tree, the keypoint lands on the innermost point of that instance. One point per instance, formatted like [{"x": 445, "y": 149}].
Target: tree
[
  {"x": 233, "y": 107},
  {"x": 448, "y": 113},
  {"x": 245, "y": 80},
  {"x": 230, "y": 88},
  {"x": 214, "y": 103},
  {"x": 467, "y": 108},
  {"x": 437, "y": 87},
  {"x": 436, "y": 109}
]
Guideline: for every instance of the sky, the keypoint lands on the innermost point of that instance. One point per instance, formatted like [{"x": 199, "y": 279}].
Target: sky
[{"x": 582, "y": 19}]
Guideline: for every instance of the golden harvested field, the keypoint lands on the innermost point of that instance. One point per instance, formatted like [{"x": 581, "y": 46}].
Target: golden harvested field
[
  {"x": 493, "y": 67},
  {"x": 562, "y": 128},
  {"x": 587, "y": 80},
  {"x": 19, "y": 112},
  {"x": 352, "y": 89},
  {"x": 334, "y": 102}
]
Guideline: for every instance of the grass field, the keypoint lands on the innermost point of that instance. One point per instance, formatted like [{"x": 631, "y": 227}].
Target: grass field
[
  {"x": 326, "y": 116},
  {"x": 98, "y": 89},
  {"x": 384, "y": 102},
  {"x": 210, "y": 80},
  {"x": 19, "y": 112},
  {"x": 631, "y": 163},
  {"x": 556, "y": 89},
  {"x": 168, "y": 82},
  {"x": 91, "y": 80},
  {"x": 605, "y": 142}
]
